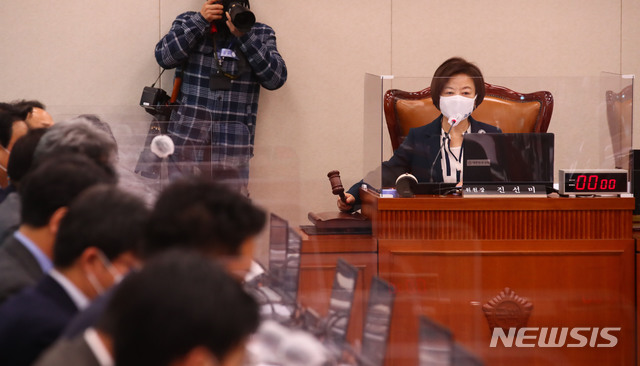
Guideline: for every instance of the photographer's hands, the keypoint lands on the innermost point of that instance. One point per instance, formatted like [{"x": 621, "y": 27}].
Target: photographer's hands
[
  {"x": 213, "y": 10},
  {"x": 232, "y": 27}
]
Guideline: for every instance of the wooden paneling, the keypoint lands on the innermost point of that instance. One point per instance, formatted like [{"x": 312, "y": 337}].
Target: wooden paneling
[
  {"x": 456, "y": 218},
  {"x": 571, "y": 283},
  {"x": 572, "y": 258},
  {"x": 314, "y": 244}
]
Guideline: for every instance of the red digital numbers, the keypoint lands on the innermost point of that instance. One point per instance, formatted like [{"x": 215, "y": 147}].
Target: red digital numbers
[{"x": 594, "y": 183}]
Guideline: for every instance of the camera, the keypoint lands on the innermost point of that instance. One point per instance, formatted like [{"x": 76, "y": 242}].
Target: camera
[
  {"x": 241, "y": 17},
  {"x": 154, "y": 101}
]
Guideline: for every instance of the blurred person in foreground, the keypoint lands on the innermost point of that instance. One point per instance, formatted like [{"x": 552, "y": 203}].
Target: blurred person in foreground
[
  {"x": 181, "y": 309},
  {"x": 82, "y": 156},
  {"x": 20, "y": 162},
  {"x": 34, "y": 113},
  {"x": 12, "y": 127},
  {"x": 198, "y": 215},
  {"x": 45, "y": 194},
  {"x": 97, "y": 244}
]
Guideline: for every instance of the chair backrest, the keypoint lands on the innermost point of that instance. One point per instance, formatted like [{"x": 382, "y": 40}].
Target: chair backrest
[
  {"x": 435, "y": 343},
  {"x": 377, "y": 322},
  {"x": 619, "y": 117},
  {"x": 464, "y": 357},
  {"x": 502, "y": 107},
  {"x": 341, "y": 301},
  {"x": 291, "y": 269},
  {"x": 278, "y": 242}
]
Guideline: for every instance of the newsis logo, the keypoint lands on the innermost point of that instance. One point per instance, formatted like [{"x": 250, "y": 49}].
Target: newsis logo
[{"x": 555, "y": 337}]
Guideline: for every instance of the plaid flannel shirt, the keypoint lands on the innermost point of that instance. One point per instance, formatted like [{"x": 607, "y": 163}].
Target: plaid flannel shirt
[{"x": 224, "y": 118}]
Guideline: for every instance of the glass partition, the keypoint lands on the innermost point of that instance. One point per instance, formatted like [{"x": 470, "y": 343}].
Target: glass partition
[
  {"x": 373, "y": 130},
  {"x": 482, "y": 270},
  {"x": 591, "y": 115}
]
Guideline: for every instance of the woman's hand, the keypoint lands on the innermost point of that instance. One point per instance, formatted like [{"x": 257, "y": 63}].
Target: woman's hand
[{"x": 348, "y": 206}]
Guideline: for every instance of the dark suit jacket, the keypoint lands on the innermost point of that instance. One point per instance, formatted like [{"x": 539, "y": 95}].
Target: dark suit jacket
[
  {"x": 89, "y": 317},
  {"x": 18, "y": 268},
  {"x": 32, "y": 320},
  {"x": 9, "y": 215},
  {"x": 68, "y": 352},
  {"x": 419, "y": 155}
]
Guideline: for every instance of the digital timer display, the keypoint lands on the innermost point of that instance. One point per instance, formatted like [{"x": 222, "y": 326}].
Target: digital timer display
[{"x": 593, "y": 181}]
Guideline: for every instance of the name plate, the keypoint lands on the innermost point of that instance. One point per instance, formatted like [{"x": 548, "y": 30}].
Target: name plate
[{"x": 504, "y": 190}]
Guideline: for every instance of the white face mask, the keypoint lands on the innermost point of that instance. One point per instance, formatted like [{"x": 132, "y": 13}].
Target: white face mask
[
  {"x": 117, "y": 276},
  {"x": 97, "y": 287},
  {"x": 457, "y": 108}
]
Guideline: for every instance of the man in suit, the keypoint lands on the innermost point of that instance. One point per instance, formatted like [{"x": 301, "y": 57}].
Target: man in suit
[
  {"x": 97, "y": 243},
  {"x": 93, "y": 347},
  {"x": 19, "y": 165},
  {"x": 212, "y": 314},
  {"x": 46, "y": 192},
  {"x": 199, "y": 215}
]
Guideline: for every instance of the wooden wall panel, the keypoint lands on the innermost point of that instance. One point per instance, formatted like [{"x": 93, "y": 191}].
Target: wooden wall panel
[{"x": 571, "y": 283}]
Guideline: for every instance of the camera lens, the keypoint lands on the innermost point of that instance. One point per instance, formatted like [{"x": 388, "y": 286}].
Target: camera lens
[{"x": 241, "y": 17}]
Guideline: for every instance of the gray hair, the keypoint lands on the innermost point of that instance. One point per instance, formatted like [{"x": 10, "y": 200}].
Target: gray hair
[{"x": 84, "y": 134}]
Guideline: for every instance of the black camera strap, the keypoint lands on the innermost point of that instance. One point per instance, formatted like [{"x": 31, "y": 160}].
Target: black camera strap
[{"x": 161, "y": 72}]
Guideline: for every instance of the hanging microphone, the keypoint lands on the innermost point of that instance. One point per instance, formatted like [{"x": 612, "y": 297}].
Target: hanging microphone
[
  {"x": 446, "y": 134},
  {"x": 162, "y": 146}
]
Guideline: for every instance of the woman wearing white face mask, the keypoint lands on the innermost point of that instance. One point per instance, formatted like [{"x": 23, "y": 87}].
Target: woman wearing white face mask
[{"x": 433, "y": 153}]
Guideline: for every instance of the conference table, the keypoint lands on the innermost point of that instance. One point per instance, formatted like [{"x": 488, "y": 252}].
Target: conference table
[{"x": 527, "y": 281}]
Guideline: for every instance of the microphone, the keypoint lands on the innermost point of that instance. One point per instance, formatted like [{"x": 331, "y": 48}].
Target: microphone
[
  {"x": 451, "y": 122},
  {"x": 405, "y": 185},
  {"x": 162, "y": 146}
]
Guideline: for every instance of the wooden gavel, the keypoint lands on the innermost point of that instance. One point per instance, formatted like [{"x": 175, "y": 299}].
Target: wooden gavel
[{"x": 336, "y": 185}]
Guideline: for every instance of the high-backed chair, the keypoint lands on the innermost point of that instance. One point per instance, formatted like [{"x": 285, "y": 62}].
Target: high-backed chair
[
  {"x": 619, "y": 114},
  {"x": 501, "y": 107}
]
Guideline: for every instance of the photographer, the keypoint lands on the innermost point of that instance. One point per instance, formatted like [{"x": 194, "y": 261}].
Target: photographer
[{"x": 222, "y": 65}]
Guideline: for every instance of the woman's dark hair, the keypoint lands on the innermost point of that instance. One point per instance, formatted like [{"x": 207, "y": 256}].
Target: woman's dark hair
[{"x": 456, "y": 66}]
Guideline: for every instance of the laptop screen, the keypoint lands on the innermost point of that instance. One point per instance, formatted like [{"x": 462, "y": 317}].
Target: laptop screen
[{"x": 508, "y": 158}]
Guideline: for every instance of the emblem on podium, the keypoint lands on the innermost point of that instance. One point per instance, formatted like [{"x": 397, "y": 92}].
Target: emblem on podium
[{"x": 507, "y": 310}]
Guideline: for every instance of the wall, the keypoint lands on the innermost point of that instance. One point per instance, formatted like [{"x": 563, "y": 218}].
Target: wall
[{"x": 81, "y": 57}]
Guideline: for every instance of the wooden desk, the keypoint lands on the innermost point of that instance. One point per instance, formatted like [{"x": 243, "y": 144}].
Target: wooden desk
[{"x": 572, "y": 259}]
